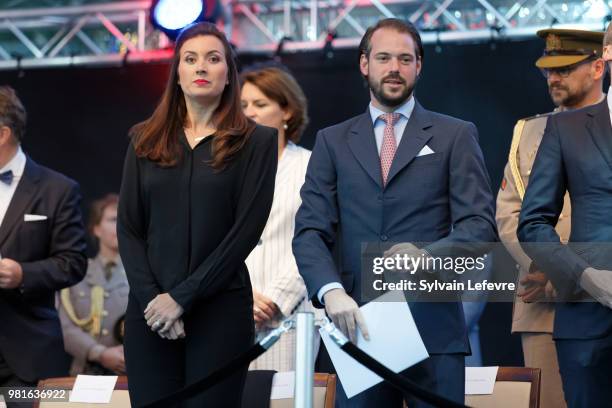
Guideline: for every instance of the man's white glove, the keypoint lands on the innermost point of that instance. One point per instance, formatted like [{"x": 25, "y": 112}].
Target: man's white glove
[
  {"x": 403, "y": 248},
  {"x": 411, "y": 251},
  {"x": 345, "y": 314},
  {"x": 598, "y": 283}
]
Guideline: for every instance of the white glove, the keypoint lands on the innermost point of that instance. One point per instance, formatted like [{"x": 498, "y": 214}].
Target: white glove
[
  {"x": 345, "y": 314},
  {"x": 408, "y": 249},
  {"x": 598, "y": 283},
  {"x": 403, "y": 248}
]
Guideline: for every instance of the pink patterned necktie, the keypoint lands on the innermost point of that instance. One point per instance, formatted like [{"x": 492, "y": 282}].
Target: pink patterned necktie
[{"x": 389, "y": 146}]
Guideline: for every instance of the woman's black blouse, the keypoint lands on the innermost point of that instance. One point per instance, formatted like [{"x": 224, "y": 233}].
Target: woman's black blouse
[{"x": 186, "y": 230}]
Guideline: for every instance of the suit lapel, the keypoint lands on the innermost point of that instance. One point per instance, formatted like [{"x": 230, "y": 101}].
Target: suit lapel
[
  {"x": 362, "y": 143},
  {"x": 413, "y": 140},
  {"x": 24, "y": 194},
  {"x": 600, "y": 129}
]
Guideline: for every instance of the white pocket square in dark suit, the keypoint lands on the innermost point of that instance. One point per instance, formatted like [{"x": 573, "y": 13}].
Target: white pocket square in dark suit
[
  {"x": 425, "y": 151},
  {"x": 33, "y": 217}
]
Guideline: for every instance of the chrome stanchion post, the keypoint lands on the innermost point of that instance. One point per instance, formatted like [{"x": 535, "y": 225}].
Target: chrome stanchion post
[{"x": 304, "y": 360}]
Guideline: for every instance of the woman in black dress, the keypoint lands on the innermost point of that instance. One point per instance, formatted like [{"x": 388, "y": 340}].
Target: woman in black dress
[{"x": 197, "y": 189}]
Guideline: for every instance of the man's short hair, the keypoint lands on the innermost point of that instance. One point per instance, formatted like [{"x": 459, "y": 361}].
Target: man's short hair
[
  {"x": 401, "y": 26},
  {"x": 12, "y": 113},
  {"x": 608, "y": 35}
]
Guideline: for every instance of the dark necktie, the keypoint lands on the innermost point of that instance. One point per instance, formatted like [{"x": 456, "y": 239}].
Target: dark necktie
[
  {"x": 108, "y": 270},
  {"x": 7, "y": 177}
]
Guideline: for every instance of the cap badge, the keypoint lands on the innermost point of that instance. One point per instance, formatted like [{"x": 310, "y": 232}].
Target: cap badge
[{"x": 553, "y": 42}]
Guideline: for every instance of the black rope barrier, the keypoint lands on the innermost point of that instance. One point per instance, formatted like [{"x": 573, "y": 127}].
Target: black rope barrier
[
  {"x": 241, "y": 361},
  {"x": 205, "y": 383},
  {"x": 398, "y": 381}
]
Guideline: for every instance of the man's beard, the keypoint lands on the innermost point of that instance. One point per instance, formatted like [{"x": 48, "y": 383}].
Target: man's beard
[
  {"x": 377, "y": 90},
  {"x": 566, "y": 98},
  {"x": 559, "y": 95}
]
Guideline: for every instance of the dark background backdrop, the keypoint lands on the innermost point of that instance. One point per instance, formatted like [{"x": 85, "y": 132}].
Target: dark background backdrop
[{"x": 78, "y": 118}]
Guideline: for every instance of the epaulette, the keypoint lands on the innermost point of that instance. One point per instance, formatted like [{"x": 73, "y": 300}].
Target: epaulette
[
  {"x": 539, "y": 115},
  {"x": 93, "y": 322},
  {"x": 514, "y": 147}
]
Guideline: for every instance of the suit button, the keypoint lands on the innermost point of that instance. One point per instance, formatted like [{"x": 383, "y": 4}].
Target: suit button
[
  {"x": 104, "y": 313},
  {"x": 104, "y": 332},
  {"x": 259, "y": 242},
  {"x": 561, "y": 217},
  {"x": 384, "y": 237},
  {"x": 518, "y": 266}
]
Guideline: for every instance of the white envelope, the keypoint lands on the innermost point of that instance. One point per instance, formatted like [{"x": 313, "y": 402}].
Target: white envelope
[
  {"x": 34, "y": 217},
  {"x": 283, "y": 385},
  {"x": 394, "y": 341},
  {"x": 425, "y": 151},
  {"x": 480, "y": 380},
  {"x": 93, "y": 389}
]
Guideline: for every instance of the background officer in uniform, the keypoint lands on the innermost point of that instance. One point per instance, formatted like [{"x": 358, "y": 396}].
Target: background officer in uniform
[
  {"x": 90, "y": 310},
  {"x": 566, "y": 64}
]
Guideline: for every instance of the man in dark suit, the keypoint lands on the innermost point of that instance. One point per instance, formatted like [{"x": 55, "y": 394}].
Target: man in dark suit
[
  {"x": 576, "y": 156},
  {"x": 396, "y": 173},
  {"x": 42, "y": 249}
]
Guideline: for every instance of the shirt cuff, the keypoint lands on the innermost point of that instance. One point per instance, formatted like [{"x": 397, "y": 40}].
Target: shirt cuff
[
  {"x": 286, "y": 301},
  {"x": 326, "y": 288}
]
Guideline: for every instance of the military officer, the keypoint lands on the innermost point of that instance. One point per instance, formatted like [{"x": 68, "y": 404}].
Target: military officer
[
  {"x": 91, "y": 310},
  {"x": 567, "y": 65}
]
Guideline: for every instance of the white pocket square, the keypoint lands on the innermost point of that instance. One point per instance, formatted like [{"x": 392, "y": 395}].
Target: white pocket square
[
  {"x": 425, "y": 151},
  {"x": 34, "y": 217}
]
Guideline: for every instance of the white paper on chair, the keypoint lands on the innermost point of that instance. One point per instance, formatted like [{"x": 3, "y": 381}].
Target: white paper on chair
[
  {"x": 394, "y": 341},
  {"x": 480, "y": 380},
  {"x": 94, "y": 389},
  {"x": 283, "y": 385}
]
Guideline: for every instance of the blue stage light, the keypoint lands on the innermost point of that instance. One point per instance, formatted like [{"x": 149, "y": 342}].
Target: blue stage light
[{"x": 170, "y": 16}]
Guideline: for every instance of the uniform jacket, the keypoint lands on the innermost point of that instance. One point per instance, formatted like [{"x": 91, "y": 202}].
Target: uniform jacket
[
  {"x": 78, "y": 341},
  {"x": 538, "y": 316}
]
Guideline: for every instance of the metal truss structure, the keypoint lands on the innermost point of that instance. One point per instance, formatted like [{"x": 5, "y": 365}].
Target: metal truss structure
[
  {"x": 310, "y": 24},
  {"x": 94, "y": 34},
  {"x": 81, "y": 32}
]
